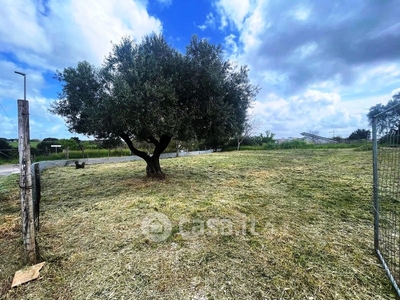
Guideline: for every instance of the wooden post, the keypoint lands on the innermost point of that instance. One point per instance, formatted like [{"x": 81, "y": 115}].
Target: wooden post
[
  {"x": 25, "y": 183},
  {"x": 36, "y": 195}
]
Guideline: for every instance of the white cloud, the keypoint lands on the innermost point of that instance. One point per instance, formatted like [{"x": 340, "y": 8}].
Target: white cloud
[
  {"x": 312, "y": 110},
  {"x": 395, "y": 91},
  {"x": 103, "y": 21},
  {"x": 43, "y": 36},
  {"x": 233, "y": 12},
  {"x": 19, "y": 27},
  {"x": 301, "y": 13},
  {"x": 209, "y": 23},
  {"x": 71, "y": 31},
  {"x": 232, "y": 47},
  {"x": 319, "y": 66}
]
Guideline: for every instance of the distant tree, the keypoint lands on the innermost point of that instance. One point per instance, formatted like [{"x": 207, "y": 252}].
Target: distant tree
[
  {"x": 69, "y": 144},
  {"x": 5, "y": 149},
  {"x": 4, "y": 144},
  {"x": 150, "y": 92},
  {"x": 44, "y": 147},
  {"x": 50, "y": 139},
  {"x": 251, "y": 125},
  {"x": 387, "y": 120},
  {"x": 111, "y": 143},
  {"x": 338, "y": 139},
  {"x": 360, "y": 134},
  {"x": 268, "y": 138}
]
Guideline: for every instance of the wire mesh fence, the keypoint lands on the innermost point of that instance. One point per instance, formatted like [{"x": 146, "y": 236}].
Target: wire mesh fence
[{"x": 386, "y": 171}]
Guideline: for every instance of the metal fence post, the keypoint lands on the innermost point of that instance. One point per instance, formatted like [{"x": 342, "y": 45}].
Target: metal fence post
[{"x": 375, "y": 184}]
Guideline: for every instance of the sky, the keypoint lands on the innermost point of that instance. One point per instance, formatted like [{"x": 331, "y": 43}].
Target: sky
[{"x": 320, "y": 65}]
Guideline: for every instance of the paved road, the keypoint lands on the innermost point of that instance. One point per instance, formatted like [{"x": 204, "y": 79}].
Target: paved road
[{"x": 8, "y": 169}]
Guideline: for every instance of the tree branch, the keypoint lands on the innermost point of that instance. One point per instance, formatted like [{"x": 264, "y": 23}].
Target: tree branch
[
  {"x": 135, "y": 151},
  {"x": 162, "y": 145}
]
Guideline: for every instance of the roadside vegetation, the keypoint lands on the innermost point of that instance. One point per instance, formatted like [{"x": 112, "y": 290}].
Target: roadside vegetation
[
  {"x": 73, "y": 148},
  {"x": 286, "y": 224}
]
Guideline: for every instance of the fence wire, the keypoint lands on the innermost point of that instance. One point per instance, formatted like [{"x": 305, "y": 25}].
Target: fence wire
[{"x": 386, "y": 162}]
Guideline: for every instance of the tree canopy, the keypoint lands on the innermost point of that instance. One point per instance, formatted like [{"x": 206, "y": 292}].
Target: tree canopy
[
  {"x": 387, "y": 119},
  {"x": 151, "y": 92},
  {"x": 360, "y": 134},
  {"x": 5, "y": 147}
]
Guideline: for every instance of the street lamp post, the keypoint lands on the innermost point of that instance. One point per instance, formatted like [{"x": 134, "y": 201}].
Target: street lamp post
[{"x": 23, "y": 74}]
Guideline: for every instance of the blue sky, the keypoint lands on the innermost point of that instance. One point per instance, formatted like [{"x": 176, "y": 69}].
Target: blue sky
[{"x": 320, "y": 64}]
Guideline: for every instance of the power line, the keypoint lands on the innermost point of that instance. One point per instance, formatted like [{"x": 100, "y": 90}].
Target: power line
[{"x": 8, "y": 118}]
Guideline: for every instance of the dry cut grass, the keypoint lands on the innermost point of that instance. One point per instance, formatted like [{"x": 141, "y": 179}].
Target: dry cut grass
[{"x": 293, "y": 224}]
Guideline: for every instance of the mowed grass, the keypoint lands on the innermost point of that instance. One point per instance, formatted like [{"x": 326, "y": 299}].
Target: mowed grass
[{"x": 288, "y": 224}]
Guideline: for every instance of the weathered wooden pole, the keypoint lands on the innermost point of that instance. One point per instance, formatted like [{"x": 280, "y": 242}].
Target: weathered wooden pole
[
  {"x": 25, "y": 183},
  {"x": 36, "y": 195}
]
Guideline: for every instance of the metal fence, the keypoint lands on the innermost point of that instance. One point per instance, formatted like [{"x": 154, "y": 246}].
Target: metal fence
[{"x": 386, "y": 191}]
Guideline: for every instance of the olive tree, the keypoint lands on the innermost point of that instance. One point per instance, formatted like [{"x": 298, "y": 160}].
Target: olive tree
[{"x": 150, "y": 92}]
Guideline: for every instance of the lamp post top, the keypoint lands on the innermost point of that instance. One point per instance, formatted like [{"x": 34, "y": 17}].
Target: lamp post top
[{"x": 23, "y": 74}]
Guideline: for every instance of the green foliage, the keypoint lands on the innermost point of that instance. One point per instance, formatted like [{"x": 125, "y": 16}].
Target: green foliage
[
  {"x": 6, "y": 152},
  {"x": 45, "y": 145},
  {"x": 268, "y": 138},
  {"x": 388, "y": 119},
  {"x": 111, "y": 143},
  {"x": 360, "y": 134},
  {"x": 151, "y": 92},
  {"x": 4, "y": 144},
  {"x": 338, "y": 139},
  {"x": 366, "y": 147},
  {"x": 70, "y": 144},
  {"x": 50, "y": 139},
  {"x": 8, "y": 189},
  {"x": 296, "y": 144}
]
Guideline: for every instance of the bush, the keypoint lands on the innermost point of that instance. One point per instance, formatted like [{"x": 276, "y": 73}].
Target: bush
[
  {"x": 296, "y": 144},
  {"x": 367, "y": 147}
]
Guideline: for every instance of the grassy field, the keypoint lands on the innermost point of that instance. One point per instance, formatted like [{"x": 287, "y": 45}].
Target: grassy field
[
  {"x": 285, "y": 224},
  {"x": 15, "y": 144}
]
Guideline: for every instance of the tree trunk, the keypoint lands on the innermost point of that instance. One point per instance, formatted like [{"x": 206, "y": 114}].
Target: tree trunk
[
  {"x": 153, "y": 168},
  {"x": 238, "y": 146}
]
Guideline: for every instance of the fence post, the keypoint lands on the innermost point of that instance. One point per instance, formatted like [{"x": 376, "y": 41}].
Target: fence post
[
  {"x": 375, "y": 184},
  {"x": 25, "y": 183},
  {"x": 36, "y": 194}
]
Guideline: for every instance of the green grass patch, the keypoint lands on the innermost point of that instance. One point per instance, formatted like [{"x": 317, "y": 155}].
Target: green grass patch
[
  {"x": 15, "y": 144},
  {"x": 284, "y": 224},
  {"x": 10, "y": 231},
  {"x": 296, "y": 144}
]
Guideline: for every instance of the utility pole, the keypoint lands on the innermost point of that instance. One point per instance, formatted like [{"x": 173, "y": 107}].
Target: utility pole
[{"x": 25, "y": 181}]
